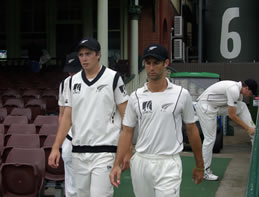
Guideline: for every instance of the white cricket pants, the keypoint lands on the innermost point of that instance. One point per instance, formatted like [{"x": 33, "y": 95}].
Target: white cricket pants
[
  {"x": 69, "y": 175},
  {"x": 91, "y": 174},
  {"x": 208, "y": 120},
  {"x": 156, "y": 176}
]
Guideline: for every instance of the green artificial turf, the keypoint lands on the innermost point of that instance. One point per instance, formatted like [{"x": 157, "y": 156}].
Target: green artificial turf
[{"x": 188, "y": 187}]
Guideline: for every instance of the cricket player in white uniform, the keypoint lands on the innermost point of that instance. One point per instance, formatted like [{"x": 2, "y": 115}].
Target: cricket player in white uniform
[
  {"x": 71, "y": 67},
  {"x": 158, "y": 109},
  {"x": 223, "y": 98},
  {"x": 97, "y": 102}
]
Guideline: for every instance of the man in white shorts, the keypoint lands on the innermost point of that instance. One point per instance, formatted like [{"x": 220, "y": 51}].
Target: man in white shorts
[
  {"x": 71, "y": 67},
  {"x": 158, "y": 109},
  {"x": 96, "y": 103},
  {"x": 223, "y": 98}
]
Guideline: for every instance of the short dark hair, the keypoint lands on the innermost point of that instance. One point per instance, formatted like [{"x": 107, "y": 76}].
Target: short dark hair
[{"x": 251, "y": 84}]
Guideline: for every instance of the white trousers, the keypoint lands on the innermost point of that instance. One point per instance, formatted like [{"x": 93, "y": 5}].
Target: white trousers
[
  {"x": 156, "y": 176},
  {"x": 91, "y": 173},
  {"x": 69, "y": 175},
  {"x": 207, "y": 115}
]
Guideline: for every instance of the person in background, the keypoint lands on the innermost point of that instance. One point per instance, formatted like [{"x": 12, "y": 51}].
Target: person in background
[
  {"x": 72, "y": 66},
  {"x": 223, "y": 98}
]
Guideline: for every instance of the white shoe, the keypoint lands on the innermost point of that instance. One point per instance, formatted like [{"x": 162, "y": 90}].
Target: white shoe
[{"x": 209, "y": 176}]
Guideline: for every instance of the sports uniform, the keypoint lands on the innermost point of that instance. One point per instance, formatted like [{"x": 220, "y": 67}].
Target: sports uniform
[
  {"x": 156, "y": 167},
  {"x": 72, "y": 66},
  {"x": 215, "y": 101},
  {"x": 96, "y": 126},
  {"x": 67, "y": 146}
]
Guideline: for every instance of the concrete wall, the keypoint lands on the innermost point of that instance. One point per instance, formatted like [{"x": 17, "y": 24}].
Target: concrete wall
[{"x": 231, "y": 71}]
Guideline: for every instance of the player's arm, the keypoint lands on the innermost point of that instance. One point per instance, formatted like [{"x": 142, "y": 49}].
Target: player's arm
[
  {"x": 233, "y": 116},
  {"x": 126, "y": 160},
  {"x": 193, "y": 135},
  {"x": 195, "y": 141},
  {"x": 123, "y": 148},
  {"x": 63, "y": 129},
  {"x": 61, "y": 112}
]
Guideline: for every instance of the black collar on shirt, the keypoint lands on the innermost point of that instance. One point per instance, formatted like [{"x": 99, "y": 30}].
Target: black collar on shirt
[{"x": 98, "y": 76}]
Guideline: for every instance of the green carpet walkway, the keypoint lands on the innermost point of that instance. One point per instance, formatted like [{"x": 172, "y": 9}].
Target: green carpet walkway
[{"x": 188, "y": 188}]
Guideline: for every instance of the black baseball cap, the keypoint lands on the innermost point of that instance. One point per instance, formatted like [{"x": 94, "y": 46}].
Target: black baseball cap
[
  {"x": 252, "y": 85},
  {"x": 72, "y": 64},
  {"x": 89, "y": 43},
  {"x": 157, "y": 51}
]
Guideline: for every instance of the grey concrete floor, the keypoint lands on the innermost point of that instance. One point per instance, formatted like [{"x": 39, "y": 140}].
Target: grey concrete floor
[{"x": 237, "y": 147}]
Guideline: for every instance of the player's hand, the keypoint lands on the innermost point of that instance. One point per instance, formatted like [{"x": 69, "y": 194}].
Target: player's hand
[
  {"x": 251, "y": 131},
  {"x": 126, "y": 161},
  {"x": 54, "y": 158},
  {"x": 115, "y": 175},
  {"x": 197, "y": 175}
]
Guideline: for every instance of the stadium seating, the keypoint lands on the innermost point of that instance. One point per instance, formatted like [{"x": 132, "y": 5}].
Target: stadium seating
[
  {"x": 51, "y": 98},
  {"x": 23, "y": 173},
  {"x": 37, "y": 106},
  {"x": 53, "y": 174},
  {"x": 44, "y": 119},
  {"x": 1, "y": 143},
  {"x": 20, "y": 129},
  {"x": 11, "y": 103},
  {"x": 22, "y": 112},
  {"x": 3, "y": 114},
  {"x": 10, "y": 93},
  {"x": 20, "y": 141},
  {"x": 30, "y": 94},
  {"x": 46, "y": 130},
  {"x": 23, "y": 141},
  {"x": 14, "y": 119}
]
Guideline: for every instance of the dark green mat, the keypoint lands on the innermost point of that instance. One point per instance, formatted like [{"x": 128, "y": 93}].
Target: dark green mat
[
  {"x": 206, "y": 188},
  {"x": 188, "y": 188}
]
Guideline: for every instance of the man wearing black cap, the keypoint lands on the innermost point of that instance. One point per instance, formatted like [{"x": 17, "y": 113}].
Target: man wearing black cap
[
  {"x": 95, "y": 105},
  {"x": 158, "y": 109},
  {"x": 71, "y": 67},
  {"x": 223, "y": 98}
]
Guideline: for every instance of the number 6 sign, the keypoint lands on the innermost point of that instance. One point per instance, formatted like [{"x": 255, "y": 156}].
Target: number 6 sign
[{"x": 226, "y": 35}]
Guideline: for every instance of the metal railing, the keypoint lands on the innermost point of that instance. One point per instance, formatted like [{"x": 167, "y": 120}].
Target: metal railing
[{"x": 253, "y": 179}]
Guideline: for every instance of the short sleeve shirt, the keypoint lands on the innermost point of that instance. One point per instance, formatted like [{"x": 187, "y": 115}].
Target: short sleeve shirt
[
  {"x": 95, "y": 117},
  {"x": 222, "y": 93},
  {"x": 63, "y": 92},
  {"x": 159, "y": 116}
]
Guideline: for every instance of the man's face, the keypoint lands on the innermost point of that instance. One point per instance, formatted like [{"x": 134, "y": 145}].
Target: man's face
[
  {"x": 155, "y": 68},
  {"x": 247, "y": 92},
  {"x": 89, "y": 59}
]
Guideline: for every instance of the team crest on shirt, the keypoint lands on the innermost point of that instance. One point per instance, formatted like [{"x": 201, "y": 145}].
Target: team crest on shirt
[
  {"x": 147, "y": 107},
  {"x": 99, "y": 88},
  {"x": 164, "y": 107},
  {"x": 123, "y": 90},
  {"x": 77, "y": 88}
]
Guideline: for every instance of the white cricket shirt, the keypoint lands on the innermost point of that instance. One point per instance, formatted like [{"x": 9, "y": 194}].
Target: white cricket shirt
[
  {"x": 95, "y": 118},
  {"x": 63, "y": 88},
  {"x": 222, "y": 93},
  {"x": 159, "y": 116}
]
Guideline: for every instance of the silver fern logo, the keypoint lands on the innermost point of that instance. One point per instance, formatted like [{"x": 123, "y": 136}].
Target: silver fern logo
[
  {"x": 164, "y": 107},
  {"x": 99, "y": 88},
  {"x": 147, "y": 107}
]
